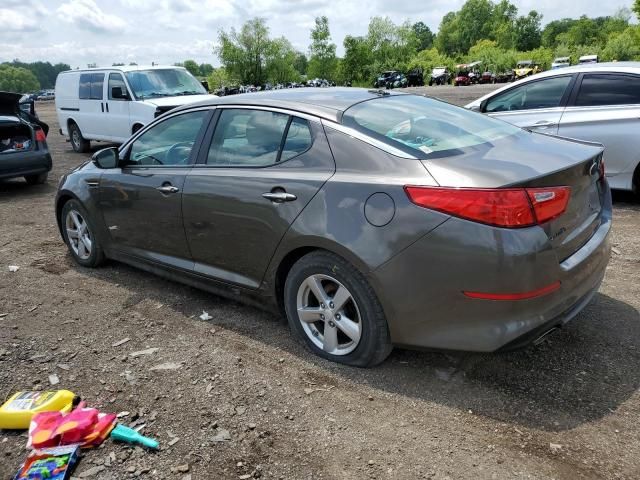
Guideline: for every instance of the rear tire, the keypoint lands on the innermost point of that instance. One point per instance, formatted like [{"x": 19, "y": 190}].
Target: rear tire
[
  {"x": 38, "y": 179},
  {"x": 359, "y": 322},
  {"x": 78, "y": 142},
  {"x": 79, "y": 234}
]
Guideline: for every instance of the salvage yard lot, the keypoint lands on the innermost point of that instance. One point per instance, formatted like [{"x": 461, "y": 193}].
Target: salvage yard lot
[{"x": 569, "y": 408}]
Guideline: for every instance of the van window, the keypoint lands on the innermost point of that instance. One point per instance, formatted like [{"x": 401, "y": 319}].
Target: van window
[
  {"x": 115, "y": 80},
  {"x": 85, "y": 86},
  {"x": 97, "y": 80}
]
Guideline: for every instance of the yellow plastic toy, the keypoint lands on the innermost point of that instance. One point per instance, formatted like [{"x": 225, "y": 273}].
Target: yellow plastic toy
[{"x": 17, "y": 412}]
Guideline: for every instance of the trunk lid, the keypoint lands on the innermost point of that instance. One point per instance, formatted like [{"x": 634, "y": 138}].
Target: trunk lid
[
  {"x": 9, "y": 103},
  {"x": 535, "y": 160}
]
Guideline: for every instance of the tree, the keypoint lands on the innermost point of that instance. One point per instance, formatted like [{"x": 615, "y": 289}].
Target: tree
[
  {"x": 280, "y": 62},
  {"x": 527, "y": 31},
  {"x": 392, "y": 46},
  {"x": 475, "y": 22},
  {"x": 448, "y": 40},
  {"x": 243, "y": 54},
  {"x": 192, "y": 67},
  {"x": 301, "y": 63},
  {"x": 423, "y": 34},
  {"x": 636, "y": 8},
  {"x": 43, "y": 71},
  {"x": 206, "y": 69},
  {"x": 322, "y": 53},
  {"x": 218, "y": 78},
  {"x": 623, "y": 46},
  {"x": 503, "y": 19},
  {"x": 17, "y": 79},
  {"x": 356, "y": 64}
]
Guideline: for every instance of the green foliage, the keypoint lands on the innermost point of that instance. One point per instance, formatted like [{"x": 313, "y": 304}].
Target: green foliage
[
  {"x": 281, "y": 59},
  {"x": 206, "y": 69},
  {"x": 301, "y": 63},
  {"x": 244, "y": 54},
  {"x": 218, "y": 78},
  {"x": 427, "y": 60},
  {"x": 322, "y": 52},
  {"x": 623, "y": 46},
  {"x": 636, "y": 8},
  {"x": 17, "y": 79},
  {"x": 527, "y": 31},
  {"x": 424, "y": 35},
  {"x": 45, "y": 72},
  {"x": 192, "y": 67}
]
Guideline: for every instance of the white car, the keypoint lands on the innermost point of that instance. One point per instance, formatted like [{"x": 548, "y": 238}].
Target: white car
[
  {"x": 110, "y": 104},
  {"x": 598, "y": 102}
]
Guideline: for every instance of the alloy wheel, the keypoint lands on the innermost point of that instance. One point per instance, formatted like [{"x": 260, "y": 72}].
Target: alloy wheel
[
  {"x": 79, "y": 235},
  {"x": 329, "y": 314}
]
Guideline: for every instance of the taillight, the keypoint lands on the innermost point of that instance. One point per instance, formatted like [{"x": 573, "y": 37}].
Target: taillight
[
  {"x": 40, "y": 136},
  {"x": 601, "y": 169},
  {"x": 500, "y": 207}
]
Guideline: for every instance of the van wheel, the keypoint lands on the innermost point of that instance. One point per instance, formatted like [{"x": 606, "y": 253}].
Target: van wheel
[
  {"x": 36, "y": 179},
  {"x": 78, "y": 142}
]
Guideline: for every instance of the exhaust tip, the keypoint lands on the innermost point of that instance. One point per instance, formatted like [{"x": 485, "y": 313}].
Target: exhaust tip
[{"x": 545, "y": 335}]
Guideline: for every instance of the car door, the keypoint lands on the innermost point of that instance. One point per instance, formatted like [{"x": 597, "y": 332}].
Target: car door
[
  {"x": 537, "y": 104},
  {"x": 260, "y": 170},
  {"x": 142, "y": 200},
  {"x": 91, "y": 115},
  {"x": 117, "y": 108},
  {"x": 605, "y": 108}
]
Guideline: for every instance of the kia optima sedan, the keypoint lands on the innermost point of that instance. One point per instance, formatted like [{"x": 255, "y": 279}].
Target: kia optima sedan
[
  {"x": 597, "y": 102},
  {"x": 369, "y": 218}
]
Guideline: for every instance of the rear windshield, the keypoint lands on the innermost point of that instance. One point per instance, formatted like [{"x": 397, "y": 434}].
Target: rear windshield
[{"x": 424, "y": 125}]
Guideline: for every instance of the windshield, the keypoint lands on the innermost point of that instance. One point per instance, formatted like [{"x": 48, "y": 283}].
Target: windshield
[
  {"x": 163, "y": 83},
  {"x": 425, "y": 125}
]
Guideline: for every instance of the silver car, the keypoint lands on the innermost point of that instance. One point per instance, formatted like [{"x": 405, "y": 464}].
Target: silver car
[{"x": 598, "y": 102}]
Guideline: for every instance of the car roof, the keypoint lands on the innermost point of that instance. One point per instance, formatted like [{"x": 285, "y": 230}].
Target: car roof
[
  {"x": 329, "y": 102},
  {"x": 126, "y": 68}
]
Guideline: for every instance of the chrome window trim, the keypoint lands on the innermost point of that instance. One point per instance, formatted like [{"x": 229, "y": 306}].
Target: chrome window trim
[
  {"x": 286, "y": 111},
  {"x": 352, "y": 132}
]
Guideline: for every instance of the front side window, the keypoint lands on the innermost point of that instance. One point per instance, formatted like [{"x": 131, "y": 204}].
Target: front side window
[
  {"x": 598, "y": 90},
  {"x": 163, "y": 83},
  {"x": 423, "y": 125},
  {"x": 170, "y": 142},
  {"x": 546, "y": 93},
  {"x": 254, "y": 138},
  {"x": 116, "y": 81}
]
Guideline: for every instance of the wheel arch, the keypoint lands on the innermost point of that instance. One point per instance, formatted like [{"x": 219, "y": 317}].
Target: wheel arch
[
  {"x": 282, "y": 266},
  {"x": 61, "y": 200}
]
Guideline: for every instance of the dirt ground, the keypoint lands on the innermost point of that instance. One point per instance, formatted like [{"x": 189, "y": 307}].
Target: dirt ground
[{"x": 247, "y": 401}]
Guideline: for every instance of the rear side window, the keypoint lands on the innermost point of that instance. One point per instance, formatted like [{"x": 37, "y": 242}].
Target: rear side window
[
  {"x": 91, "y": 85},
  {"x": 597, "y": 90},
  {"x": 97, "y": 81},
  {"x": 546, "y": 93},
  {"x": 85, "y": 86},
  {"x": 254, "y": 138}
]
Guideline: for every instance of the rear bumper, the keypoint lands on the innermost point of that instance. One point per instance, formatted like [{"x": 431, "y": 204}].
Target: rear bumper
[
  {"x": 421, "y": 288},
  {"x": 20, "y": 164}
]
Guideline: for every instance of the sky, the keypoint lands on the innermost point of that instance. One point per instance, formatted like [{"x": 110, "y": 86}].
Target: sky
[{"x": 79, "y": 32}]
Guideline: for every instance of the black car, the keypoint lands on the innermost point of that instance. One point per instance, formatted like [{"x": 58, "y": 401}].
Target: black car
[
  {"x": 23, "y": 141},
  {"x": 415, "y": 78},
  {"x": 383, "y": 79}
]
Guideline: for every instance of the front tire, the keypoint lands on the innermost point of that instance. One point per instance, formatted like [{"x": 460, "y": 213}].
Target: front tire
[
  {"x": 332, "y": 308},
  {"x": 38, "y": 179},
  {"x": 78, "y": 142},
  {"x": 79, "y": 235}
]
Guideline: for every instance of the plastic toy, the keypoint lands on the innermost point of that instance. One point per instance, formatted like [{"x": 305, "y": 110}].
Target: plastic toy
[
  {"x": 129, "y": 435},
  {"x": 17, "y": 412}
]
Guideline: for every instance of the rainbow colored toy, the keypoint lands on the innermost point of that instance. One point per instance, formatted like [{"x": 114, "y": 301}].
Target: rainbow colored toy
[{"x": 49, "y": 464}]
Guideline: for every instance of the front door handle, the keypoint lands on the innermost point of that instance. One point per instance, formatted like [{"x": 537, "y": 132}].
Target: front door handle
[
  {"x": 280, "y": 197},
  {"x": 168, "y": 189},
  {"x": 544, "y": 124}
]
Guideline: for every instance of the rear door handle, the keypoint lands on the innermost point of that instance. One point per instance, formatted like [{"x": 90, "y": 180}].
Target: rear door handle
[
  {"x": 280, "y": 197},
  {"x": 168, "y": 189}
]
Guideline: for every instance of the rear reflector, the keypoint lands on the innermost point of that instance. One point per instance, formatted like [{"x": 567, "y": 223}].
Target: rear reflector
[
  {"x": 500, "y": 207},
  {"x": 515, "y": 296},
  {"x": 40, "y": 136}
]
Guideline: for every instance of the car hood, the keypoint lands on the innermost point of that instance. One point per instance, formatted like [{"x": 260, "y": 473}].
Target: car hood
[
  {"x": 9, "y": 103},
  {"x": 178, "y": 100}
]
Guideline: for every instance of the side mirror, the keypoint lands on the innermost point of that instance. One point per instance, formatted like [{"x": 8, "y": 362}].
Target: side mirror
[
  {"x": 106, "y": 158},
  {"x": 483, "y": 106},
  {"x": 116, "y": 92}
]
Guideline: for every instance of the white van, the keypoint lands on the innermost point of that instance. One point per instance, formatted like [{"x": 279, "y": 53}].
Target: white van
[{"x": 109, "y": 104}]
